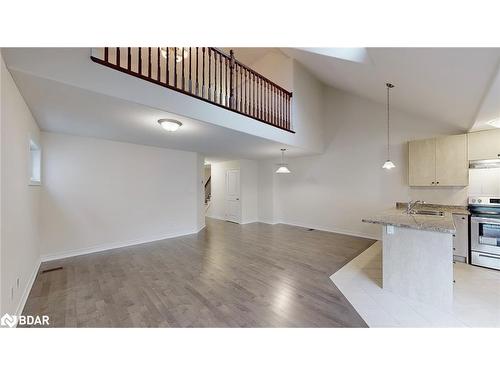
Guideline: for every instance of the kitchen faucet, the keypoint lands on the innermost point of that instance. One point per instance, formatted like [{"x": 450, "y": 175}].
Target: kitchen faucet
[{"x": 411, "y": 205}]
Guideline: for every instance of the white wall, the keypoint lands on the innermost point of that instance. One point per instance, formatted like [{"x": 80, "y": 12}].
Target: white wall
[
  {"x": 100, "y": 194},
  {"x": 335, "y": 190},
  {"x": 266, "y": 192},
  {"x": 249, "y": 177},
  {"x": 307, "y": 109},
  {"x": 277, "y": 67},
  {"x": 19, "y": 256}
]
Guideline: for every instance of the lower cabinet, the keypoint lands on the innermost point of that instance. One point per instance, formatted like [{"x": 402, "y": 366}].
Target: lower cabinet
[{"x": 461, "y": 238}]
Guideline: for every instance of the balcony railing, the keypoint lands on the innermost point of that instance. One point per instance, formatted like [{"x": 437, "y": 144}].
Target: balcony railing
[{"x": 208, "y": 74}]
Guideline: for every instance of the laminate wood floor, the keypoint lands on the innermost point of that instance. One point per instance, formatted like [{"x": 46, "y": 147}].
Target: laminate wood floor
[{"x": 228, "y": 275}]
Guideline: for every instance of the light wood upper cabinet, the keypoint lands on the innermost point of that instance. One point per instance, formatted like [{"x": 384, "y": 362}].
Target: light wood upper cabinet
[
  {"x": 484, "y": 145},
  {"x": 452, "y": 165},
  {"x": 422, "y": 167},
  {"x": 439, "y": 162}
]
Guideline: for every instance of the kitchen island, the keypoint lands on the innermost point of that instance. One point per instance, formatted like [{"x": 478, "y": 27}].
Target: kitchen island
[{"x": 417, "y": 255}]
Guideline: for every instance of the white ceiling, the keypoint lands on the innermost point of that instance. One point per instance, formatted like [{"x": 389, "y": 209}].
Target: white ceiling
[
  {"x": 444, "y": 84},
  {"x": 62, "y": 108}
]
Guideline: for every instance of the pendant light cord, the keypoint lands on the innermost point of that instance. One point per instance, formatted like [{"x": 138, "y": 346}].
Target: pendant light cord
[
  {"x": 389, "y": 86},
  {"x": 388, "y": 118}
]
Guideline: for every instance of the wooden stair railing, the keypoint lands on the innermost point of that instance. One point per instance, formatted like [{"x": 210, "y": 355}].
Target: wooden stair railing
[{"x": 206, "y": 73}]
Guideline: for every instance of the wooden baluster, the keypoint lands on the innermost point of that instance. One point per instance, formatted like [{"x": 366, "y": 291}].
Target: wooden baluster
[
  {"x": 279, "y": 107},
  {"x": 287, "y": 113},
  {"x": 167, "y": 65},
  {"x": 158, "y": 69},
  {"x": 228, "y": 82},
  {"x": 245, "y": 109},
  {"x": 290, "y": 112},
  {"x": 129, "y": 58},
  {"x": 241, "y": 89},
  {"x": 183, "y": 69},
  {"x": 140, "y": 60},
  {"x": 190, "y": 80},
  {"x": 220, "y": 78},
  {"x": 255, "y": 108},
  {"x": 258, "y": 95},
  {"x": 197, "y": 69},
  {"x": 215, "y": 78},
  {"x": 209, "y": 74},
  {"x": 232, "y": 98},
  {"x": 118, "y": 56},
  {"x": 203, "y": 73},
  {"x": 273, "y": 105},
  {"x": 261, "y": 99},
  {"x": 175, "y": 67},
  {"x": 106, "y": 54},
  {"x": 149, "y": 62}
]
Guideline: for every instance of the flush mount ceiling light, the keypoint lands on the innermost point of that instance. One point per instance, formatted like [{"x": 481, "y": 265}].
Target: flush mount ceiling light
[
  {"x": 495, "y": 122},
  {"x": 169, "y": 124},
  {"x": 388, "y": 164},
  {"x": 283, "y": 167},
  {"x": 177, "y": 51}
]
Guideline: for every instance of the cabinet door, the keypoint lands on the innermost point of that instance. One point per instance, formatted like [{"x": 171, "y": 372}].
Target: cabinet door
[
  {"x": 461, "y": 237},
  {"x": 484, "y": 145},
  {"x": 452, "y": 166},
  {"x": 422, "y": 162}
]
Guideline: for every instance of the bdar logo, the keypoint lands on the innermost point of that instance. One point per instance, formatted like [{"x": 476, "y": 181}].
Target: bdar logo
[{"x": 8, "y": 320}]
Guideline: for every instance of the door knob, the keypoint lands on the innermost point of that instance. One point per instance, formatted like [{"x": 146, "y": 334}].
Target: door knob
[
  {"x": 437, "y": 182},
  {"x": 432, "y": 182}
]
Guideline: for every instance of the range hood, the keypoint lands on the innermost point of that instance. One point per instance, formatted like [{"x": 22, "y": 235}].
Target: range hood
[{"x": 484, "y": 164}]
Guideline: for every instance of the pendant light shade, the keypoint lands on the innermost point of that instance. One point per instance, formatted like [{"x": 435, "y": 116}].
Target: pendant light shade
[
  {"x": 388, "y": 164},
  {"x": 283, "y": 167}
]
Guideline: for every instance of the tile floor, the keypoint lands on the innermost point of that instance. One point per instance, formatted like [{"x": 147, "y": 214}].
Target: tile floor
[{"x": 476, "y": 300}]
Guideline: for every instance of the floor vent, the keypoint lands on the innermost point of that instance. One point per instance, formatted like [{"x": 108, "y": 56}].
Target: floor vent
[{"x": 52, "y": 269}]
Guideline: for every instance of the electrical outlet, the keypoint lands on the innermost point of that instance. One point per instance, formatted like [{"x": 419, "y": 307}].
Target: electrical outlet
[{"x": 390, "y": 229}]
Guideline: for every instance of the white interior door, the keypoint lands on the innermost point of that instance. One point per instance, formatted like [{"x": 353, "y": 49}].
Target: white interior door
[{"x": 233, "y": 202}]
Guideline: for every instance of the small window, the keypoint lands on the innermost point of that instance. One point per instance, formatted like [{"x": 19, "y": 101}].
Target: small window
[{"x": 35, "y": 163}]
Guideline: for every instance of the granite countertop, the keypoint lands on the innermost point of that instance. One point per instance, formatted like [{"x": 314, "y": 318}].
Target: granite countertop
[
  {"x": 399, "y": 218},
  {"x": 459, "y": 210}
]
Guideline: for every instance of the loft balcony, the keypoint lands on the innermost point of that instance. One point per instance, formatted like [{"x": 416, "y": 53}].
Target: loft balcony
[{"x": 208, "y": 74}]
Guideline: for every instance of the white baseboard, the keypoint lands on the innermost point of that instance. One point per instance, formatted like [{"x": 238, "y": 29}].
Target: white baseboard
[
  {"x": 216, "y": 217},
  {"x": 111, "y": 246},
  {"x": 27, "y": 289},
  {"x": 265, "y": 221}
]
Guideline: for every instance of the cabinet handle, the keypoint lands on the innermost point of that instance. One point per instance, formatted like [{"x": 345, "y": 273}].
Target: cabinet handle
[
  {"x": 437, "y": 182},
  {"x": 432, "y": 182}
]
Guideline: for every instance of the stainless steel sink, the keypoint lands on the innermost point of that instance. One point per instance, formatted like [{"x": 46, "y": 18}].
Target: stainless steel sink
[{"x": 427, "y": 212}]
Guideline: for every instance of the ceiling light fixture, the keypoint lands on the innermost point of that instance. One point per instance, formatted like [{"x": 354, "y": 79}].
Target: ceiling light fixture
[
  {"x": 495, "y": 122},
  {"x": 180, "y": 55},
  {"x": 388, "y": 164},
  {"x": 169, "y": 124},
  {"x": 283, "y": 167}
]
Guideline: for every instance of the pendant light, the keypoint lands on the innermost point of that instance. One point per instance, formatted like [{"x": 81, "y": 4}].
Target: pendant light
[
  {"x": 283, "y": 167},
  {"x": 388, "y": 164}
]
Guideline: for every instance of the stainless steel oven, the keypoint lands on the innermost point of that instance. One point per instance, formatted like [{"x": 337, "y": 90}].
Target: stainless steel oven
[{"x": 485, "y": 231}]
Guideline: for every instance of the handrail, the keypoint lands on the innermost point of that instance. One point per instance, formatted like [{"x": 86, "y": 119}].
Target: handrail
[
  {"x": 248, "y": 68},
  {"x": 206, "y": 73}
]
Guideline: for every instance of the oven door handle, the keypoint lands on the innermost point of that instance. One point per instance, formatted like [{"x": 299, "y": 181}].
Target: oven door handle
[{"x": 477, "y": 219}]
